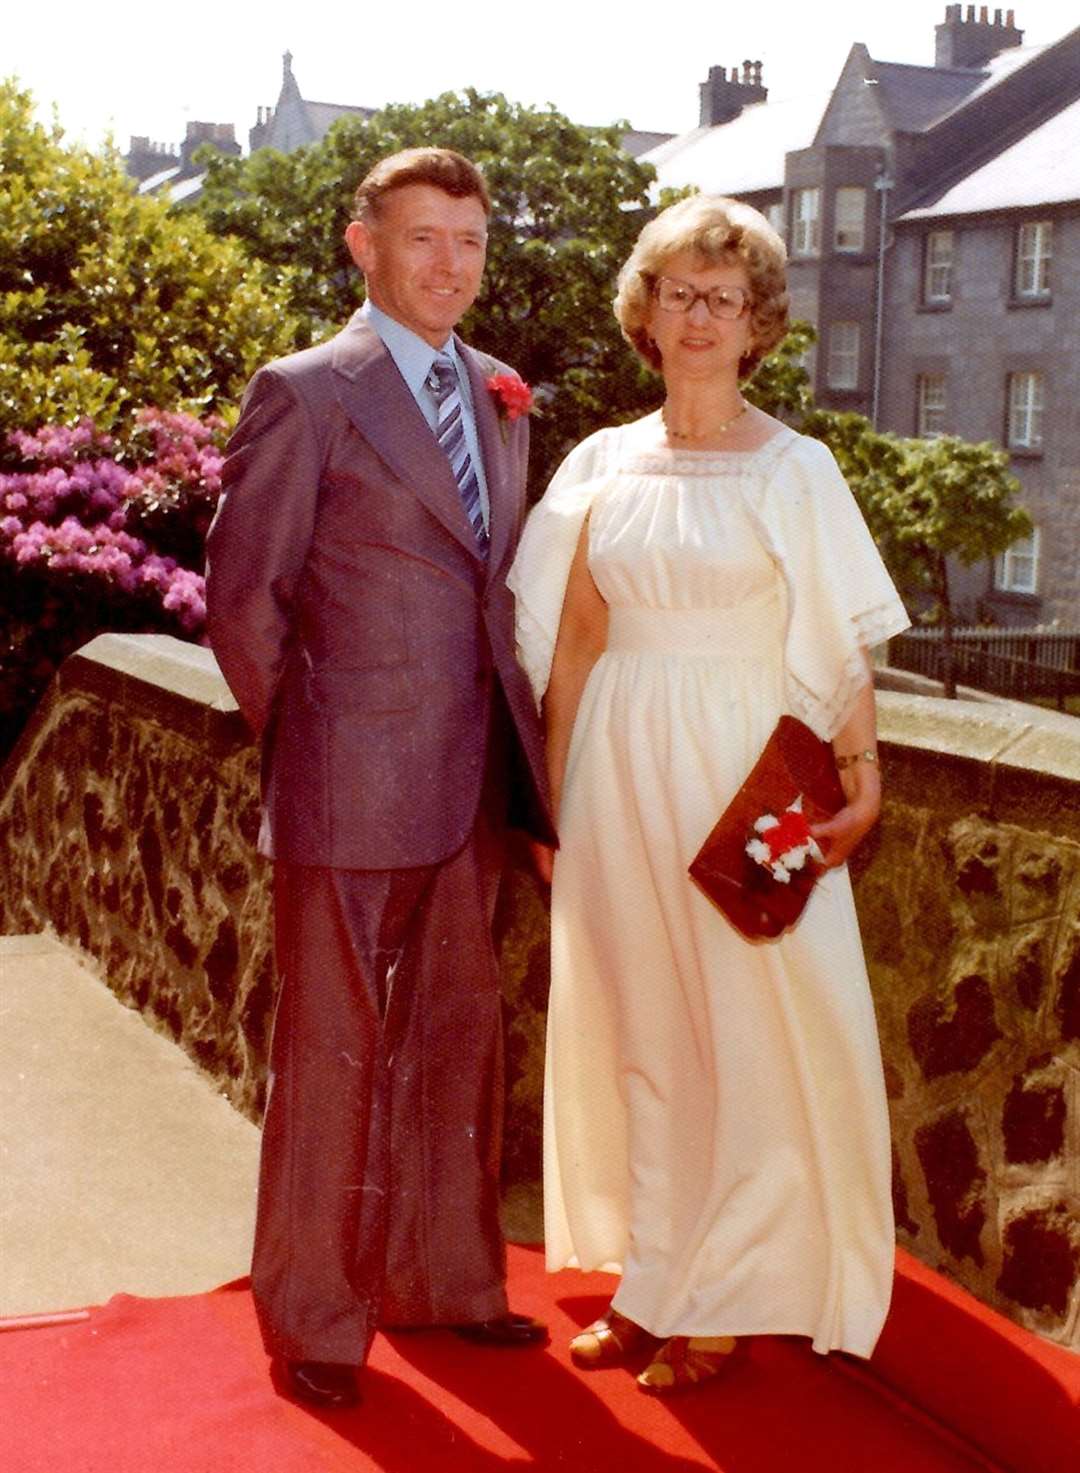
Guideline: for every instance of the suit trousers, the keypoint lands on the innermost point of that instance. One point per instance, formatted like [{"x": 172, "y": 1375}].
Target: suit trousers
[{"x": 379, "y": 1176}]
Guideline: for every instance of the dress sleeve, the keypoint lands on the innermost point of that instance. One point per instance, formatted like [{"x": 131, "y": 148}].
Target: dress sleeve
[
  {"x": 840, "y": 598},
  {"x": 541, "y": 569}
]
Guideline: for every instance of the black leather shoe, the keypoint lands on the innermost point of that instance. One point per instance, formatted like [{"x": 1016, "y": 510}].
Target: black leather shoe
[
  {"x": 323, "y": 1383},
  {"x": 506, "y": 1332}
]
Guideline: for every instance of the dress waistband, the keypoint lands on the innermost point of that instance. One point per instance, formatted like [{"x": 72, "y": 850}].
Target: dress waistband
[{"x": 740, "y": 632}]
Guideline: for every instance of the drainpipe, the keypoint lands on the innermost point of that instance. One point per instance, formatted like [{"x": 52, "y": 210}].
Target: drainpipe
[{"x": 883, "y": 183}]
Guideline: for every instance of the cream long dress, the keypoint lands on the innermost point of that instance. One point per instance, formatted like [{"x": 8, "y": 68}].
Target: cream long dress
[{"x": 715, "y": 1116}]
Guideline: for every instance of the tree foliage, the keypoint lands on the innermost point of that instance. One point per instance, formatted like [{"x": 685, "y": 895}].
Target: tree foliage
[
  {"x": 926, "y": 502},
  {"x": 568, "y": 204},
  {"x": 109, "y": 300}
]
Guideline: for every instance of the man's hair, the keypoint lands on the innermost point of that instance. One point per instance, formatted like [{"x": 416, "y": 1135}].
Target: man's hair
[{"x": 440, "y": 167}]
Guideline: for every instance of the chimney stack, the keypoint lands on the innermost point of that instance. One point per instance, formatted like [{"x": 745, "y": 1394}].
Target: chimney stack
[
  {"x": 963, "y": 41},
  {"x": 723, "y": 99}
]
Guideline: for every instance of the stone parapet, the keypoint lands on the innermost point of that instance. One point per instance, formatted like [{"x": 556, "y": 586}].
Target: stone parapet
[{"x": 128, "y": 821}]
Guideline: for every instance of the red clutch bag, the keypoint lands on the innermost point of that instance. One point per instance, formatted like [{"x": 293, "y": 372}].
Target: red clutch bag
[{"x": 758, "y": 863}]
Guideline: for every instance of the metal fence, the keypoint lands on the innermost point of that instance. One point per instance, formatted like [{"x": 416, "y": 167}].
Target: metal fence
[{"x": 1024, "y": 664}]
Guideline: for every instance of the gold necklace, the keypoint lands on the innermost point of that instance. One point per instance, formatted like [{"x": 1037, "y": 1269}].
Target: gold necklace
[{"x": 721, "y": 429}]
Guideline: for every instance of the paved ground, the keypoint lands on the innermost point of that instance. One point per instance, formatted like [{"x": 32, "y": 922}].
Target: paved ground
[{"x": 121, "y": 1168}]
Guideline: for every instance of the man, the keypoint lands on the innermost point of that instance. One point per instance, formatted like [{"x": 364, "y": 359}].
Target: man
[{"x": 358, "y": 609}]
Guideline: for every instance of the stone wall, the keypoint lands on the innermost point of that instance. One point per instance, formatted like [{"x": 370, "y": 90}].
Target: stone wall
[{"x": 128, "y": 820}]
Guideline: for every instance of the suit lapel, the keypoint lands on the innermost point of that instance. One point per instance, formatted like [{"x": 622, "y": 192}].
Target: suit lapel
[
  {"x": 376, "y": 399},
  {"x": 496, "y": 454}
]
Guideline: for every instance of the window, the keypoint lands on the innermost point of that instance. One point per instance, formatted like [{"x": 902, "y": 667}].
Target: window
[
  {"x": 806, "y": 222},
  {"x": 931, "y": 400},
  {"x": 775, "y": 216},
  {"x": 843, "y": 371},
  {"x": 937, "y": 270},
  {"x": 849, "y": 226},
  {"x": 1025, "y": 411},
  {"x": 1034, "y": 247},
  {"x": 1016, "y": 570}
]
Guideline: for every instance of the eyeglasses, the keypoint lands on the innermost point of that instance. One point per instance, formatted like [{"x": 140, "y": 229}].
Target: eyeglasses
[{"x": 725, "y": 302}]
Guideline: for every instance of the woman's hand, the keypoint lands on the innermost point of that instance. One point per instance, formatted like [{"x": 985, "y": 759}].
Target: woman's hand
[
  {"x": 860, "y": 780},
  {"x": 543, "y": 860},
  {"x": 839, "y": 835}
]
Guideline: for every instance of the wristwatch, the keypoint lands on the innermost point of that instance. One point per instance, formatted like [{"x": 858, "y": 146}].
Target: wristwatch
[{"x": 866, "y": 755}]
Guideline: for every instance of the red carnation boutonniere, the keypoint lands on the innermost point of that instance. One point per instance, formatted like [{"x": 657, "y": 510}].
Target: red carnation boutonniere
[
  {"x": 513, "y": 397},
  {"x": 783, "y": 845}
]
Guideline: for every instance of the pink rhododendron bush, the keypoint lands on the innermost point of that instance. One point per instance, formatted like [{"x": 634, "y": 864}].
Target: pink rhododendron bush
[{"x": 100, "y": 534}]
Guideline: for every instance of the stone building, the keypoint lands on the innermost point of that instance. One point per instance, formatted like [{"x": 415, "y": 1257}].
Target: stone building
[
  {"x": 293, "y": 121},
  {"x": 161, "y": 166},
  {"x": 932, "y": 217}
]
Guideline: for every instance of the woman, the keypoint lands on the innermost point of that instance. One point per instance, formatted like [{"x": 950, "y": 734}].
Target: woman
[{"x": 715, "y": 1117}]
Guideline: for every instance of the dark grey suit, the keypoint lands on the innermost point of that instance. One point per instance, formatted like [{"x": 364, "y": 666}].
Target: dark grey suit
[{"x": 370, "y": 645}]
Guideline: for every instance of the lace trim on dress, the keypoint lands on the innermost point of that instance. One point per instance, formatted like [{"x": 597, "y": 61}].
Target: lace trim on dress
[
  {"x": 535, "y": 651},
  {"x": 826, "y": 715},
  {"x": 700, "y": 462}
]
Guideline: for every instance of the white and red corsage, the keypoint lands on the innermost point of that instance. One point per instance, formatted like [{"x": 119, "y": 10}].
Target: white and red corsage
[{"x": 783, "y": 845}]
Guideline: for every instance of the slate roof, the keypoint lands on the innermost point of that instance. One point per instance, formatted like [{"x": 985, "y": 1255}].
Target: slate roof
[
  {"x": 913, "y": 98},
  {"x": 322, "y": 115},
  {"x": 745, "y": 155},
  {"x": 1003, "y": 66},
  {"x": 157, "y": 181},
  {"x": 639, "y": 141},
  {"x": 1042, "y": 168}
]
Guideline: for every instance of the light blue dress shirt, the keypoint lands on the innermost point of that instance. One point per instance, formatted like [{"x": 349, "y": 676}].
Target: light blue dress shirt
[{"x": 413, "y": 359}]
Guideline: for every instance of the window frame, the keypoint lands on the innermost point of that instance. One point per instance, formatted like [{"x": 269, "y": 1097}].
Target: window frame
[
  {"x": 774, "y": 214},
  {"x": 1032, "y": 409},
  {"x": 808, "y": 223},
  {"x": 931, "y": 297},
  {"x": 858, "y": 248},
  {"x": 1040, "y": 260},
  {"x": 848, "y": 354},
  {"x": 923, "y": 407},
  {"x": 1026, "y": 550}
]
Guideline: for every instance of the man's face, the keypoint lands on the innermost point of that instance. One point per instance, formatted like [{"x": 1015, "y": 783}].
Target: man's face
[{"x": 422, "y": 257}]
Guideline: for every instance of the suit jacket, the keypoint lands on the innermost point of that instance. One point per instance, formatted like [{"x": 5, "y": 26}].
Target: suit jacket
[{"x": 363, "y": 634}]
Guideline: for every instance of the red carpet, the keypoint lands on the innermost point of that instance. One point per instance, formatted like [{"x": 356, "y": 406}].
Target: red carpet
[{"x": 181, "y": 1386}]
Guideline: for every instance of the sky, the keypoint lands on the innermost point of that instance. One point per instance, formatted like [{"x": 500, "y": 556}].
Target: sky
[{"x": 125, "y": 67}]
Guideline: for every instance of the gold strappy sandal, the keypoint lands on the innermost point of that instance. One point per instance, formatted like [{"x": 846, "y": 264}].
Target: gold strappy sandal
[
  {"x": 682, "y": 1362},
  {"x": 609, "y": 1341}
]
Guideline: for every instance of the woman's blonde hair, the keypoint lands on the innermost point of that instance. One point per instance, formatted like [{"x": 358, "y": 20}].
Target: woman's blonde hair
[{"x": 718, "y": 230}]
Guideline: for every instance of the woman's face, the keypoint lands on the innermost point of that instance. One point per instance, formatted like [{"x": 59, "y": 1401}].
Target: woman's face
[{"x": 695, "y": 343}]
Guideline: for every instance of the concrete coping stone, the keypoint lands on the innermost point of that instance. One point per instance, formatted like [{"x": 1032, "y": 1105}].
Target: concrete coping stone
[
  {"x": 1006, "y": 733},
  {"x": 188, "y": 670}
]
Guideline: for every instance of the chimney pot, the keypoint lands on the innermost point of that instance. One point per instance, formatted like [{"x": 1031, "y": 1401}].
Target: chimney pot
[
  {"x": 1010, "y": 20},
  {"x": 997, "y": 17},
  {"x": 984, "y": 16}
]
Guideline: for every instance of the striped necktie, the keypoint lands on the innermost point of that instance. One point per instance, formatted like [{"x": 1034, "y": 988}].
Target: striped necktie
[{"x": 450, "y": 433}]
